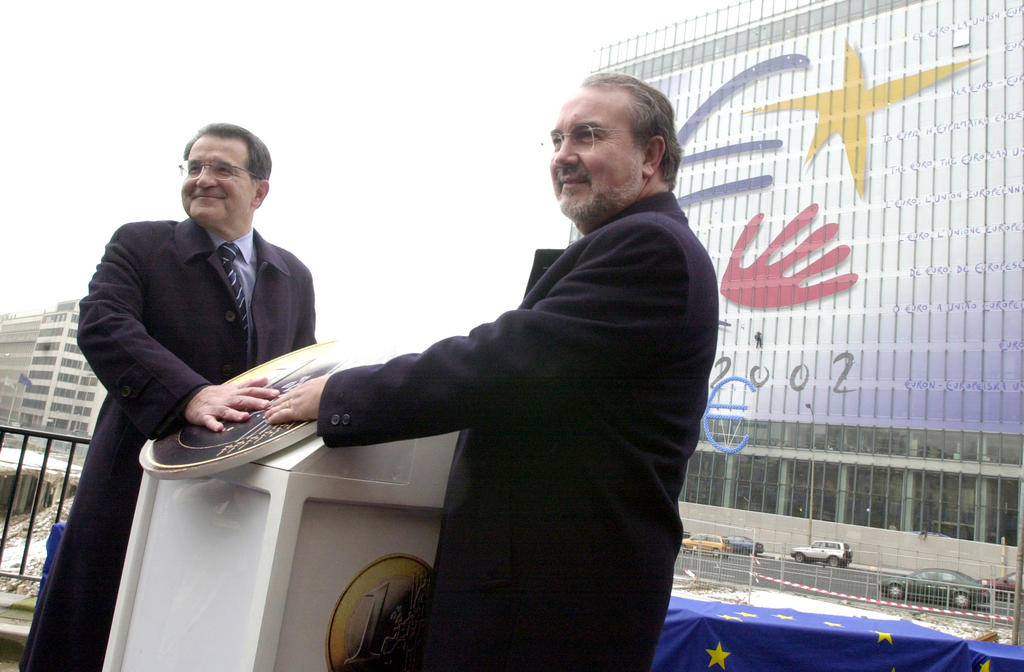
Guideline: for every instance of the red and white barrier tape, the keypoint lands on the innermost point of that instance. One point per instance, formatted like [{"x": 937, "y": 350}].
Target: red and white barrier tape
[{"x": 916, "y": 607}]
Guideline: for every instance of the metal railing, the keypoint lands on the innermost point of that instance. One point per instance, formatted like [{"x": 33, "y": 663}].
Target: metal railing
[
  {"x": 38, "y": 478},
  {"x": 848, "y": 585}
]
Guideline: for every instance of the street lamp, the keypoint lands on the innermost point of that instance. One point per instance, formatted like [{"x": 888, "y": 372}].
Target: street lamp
[{"x": 810, "y": 494}]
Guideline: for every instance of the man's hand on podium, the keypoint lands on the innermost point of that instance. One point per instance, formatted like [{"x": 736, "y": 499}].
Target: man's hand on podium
[
  {"x": 299, "y": 403},
  {"x": 230, "y": 401}
]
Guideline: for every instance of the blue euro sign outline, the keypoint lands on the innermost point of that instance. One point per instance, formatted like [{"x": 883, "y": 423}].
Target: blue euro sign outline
[{"x": 708, "y": 415}]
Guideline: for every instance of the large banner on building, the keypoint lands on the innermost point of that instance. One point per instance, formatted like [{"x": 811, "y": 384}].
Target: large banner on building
[{"x": 858, "y": 182}]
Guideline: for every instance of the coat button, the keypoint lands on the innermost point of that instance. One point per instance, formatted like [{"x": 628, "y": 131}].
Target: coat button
[
  {"x": 126, "y": 391},
  {"x": 230, "y": 316},
  {"x": 227, "y": 370},
  {"x": 346, "y": 419},
  {"x": 335, "y": 419}
]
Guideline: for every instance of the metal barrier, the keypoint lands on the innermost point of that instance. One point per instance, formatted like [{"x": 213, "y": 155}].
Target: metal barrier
[
  {"x": 870, "y": 587},
  {"x": 38, "y": 478}
]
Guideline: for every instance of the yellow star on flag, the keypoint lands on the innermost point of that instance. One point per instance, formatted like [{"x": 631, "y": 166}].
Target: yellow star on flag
[
  {"x": 783, "y": 617},
  {"x": 730, "y": 618},
  {"x": 844, "y": 111},
  {"x": 833, "y": 625},
  {"x": 718, "y": 656},
  {"x": 984, "y": 666},
  {"x": 743, "y": 613},
  {"x": 883, "y": 636}
]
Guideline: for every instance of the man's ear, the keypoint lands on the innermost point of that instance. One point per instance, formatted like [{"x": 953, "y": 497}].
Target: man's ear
[
  {"x": 653, "y": 153},
  {"x": 261, "y": 193}
]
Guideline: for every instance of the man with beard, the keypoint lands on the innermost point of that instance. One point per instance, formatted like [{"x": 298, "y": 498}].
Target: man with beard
[
  {"x": 174, "y": 310},
  {"x": 579, "y": 411}
]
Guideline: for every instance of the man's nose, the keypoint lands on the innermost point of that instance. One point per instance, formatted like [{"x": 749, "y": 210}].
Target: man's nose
[
  {"x": 205, "y": 177},
  {"x": 566, "y": 154}
]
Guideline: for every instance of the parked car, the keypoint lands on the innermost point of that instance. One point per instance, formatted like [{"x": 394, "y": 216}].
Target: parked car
[
  {"x": 744, "y": 545},
  {"x": 832, "y": 553},
  {"x": 1003, "y": 585},
  {"x": 946, "y": 588},
  {"x": 713, "y": 543}
]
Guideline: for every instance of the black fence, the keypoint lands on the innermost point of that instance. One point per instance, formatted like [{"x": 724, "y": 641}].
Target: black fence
[{"x": 38, "y": 479}]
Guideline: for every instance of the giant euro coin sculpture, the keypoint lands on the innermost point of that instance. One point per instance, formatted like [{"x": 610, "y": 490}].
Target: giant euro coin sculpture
[{"x": 192, "y": 451}]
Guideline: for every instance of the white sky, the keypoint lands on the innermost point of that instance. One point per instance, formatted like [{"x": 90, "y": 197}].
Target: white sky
[{"x": 408, "y": 170}]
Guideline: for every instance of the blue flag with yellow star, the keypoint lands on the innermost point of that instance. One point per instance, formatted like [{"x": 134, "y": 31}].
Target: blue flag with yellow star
[
  {"x": 995, "y": 657},
  {"x": 740, "y": 638}
]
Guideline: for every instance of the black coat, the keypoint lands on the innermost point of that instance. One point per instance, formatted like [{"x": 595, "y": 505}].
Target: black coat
[
  {"x": 158, "y": 322},
  {"x": 580, "y": 409}
]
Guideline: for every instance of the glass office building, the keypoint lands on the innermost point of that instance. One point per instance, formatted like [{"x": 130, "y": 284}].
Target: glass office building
[{"x": 855, "y": 169}]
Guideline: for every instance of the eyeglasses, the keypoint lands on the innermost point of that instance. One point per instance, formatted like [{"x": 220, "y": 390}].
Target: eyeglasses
[
  {"x": 219, "y": 170},
  {"x": 581, "y": 136}
]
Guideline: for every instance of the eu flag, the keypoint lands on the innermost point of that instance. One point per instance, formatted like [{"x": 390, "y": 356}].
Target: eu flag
[{"x": 740, "y": 638}]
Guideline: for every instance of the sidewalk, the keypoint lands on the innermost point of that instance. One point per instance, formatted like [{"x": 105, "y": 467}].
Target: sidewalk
[{"x": 15, "y": 619}]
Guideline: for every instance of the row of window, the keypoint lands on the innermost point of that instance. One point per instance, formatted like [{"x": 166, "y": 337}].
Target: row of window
[
  {"x": 962, "y": 446},
  {"x": 58, "y": 331},
  {"x": 50, "y": 346},
  {"x": 55, "y": 424},
  {"x": 36, "y": 375},
  {"x": 759, "y": 35},
  {"x": 964, "y": 506},
  {"x": 81, "y": 395},
  {"x": 64, "y": 362}
]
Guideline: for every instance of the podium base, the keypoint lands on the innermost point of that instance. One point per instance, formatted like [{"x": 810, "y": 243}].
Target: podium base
[{"x": 308, "y": 561}]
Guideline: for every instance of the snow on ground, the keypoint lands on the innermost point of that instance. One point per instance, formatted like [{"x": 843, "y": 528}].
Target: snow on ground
[{"x": 760, "y": 597}]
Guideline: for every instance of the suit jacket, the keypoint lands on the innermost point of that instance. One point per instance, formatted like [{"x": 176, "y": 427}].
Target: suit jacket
[
  {"x": 580, "y": 409},
  {"x": 159, "y": 321}
]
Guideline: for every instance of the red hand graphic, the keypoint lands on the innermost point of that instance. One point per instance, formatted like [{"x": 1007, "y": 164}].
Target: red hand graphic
[{"x": 764, "y": 285}]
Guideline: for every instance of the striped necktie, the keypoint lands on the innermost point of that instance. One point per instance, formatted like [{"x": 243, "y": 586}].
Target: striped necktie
[{"x": 228, "y": 252}]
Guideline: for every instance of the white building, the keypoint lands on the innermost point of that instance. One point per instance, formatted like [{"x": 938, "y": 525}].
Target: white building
[
  {"x": 47, "y": 384},
  {"x": 855, "y": 170}
]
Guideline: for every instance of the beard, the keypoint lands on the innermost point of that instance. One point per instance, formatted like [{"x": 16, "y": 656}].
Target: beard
[{"x": 602, "y": 204}]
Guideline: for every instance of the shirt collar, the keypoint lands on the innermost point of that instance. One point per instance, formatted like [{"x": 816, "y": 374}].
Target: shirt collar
[{"x": 245, "y": 245}]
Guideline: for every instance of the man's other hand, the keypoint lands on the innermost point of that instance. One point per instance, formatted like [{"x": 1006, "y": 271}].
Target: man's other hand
[{"x": 298, "y": 404}]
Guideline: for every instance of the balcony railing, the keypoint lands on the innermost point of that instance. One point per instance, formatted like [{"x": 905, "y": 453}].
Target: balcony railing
[{"x": 38, "y": 479}]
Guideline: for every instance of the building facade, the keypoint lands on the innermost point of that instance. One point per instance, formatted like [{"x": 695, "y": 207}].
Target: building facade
[
  {"x": 854, "y": 169},
  {"x": 47, "y": 384}
]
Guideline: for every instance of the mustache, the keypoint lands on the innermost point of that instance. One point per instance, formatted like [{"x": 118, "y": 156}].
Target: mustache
[
  {"x": 572, "y": 173},
  {"x": 198, "y": 192}
]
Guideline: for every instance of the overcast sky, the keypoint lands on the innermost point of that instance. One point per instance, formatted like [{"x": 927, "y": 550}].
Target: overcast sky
[{"x": 406, "y": 137}]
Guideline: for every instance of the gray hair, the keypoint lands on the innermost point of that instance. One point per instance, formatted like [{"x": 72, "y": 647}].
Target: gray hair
[
  {"x": 652, "y": 116},
  {"x": 259, "y": 156}
]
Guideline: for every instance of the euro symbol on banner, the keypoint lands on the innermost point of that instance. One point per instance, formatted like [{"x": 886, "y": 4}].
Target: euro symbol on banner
[{"x": 711, "y": 415}]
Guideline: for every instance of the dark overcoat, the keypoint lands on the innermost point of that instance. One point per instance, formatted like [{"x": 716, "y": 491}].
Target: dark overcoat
[
  {"x": 580, "y": 409},
  {"x": 159, "y": 321}
]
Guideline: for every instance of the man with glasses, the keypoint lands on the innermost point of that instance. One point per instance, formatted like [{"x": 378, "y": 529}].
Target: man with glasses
[
  {"x": 174, "y": 310},
  {"x": 579, "y": 411}
]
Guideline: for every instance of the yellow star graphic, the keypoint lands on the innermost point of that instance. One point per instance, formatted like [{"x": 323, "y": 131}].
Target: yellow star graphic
[
  {"x": 883, "y": 636},
  {"x": 844, "y": 111},
  {"x": 984, "y": 666},
  {"x": 730, "y": 618},
  {"x": 783, "y": 617},
  {"x": 718, "y": 656},
  {"x": 833, "y": 625},
  {"x": 743, "y": 613}
]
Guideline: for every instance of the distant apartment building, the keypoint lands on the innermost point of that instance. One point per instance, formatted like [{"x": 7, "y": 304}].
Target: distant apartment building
[
  {"x": 46, "y": 382},
  {"x": 854, "y": 168}
]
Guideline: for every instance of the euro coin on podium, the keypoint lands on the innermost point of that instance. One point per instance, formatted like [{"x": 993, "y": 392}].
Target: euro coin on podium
[{"x": 259, "y": 548}]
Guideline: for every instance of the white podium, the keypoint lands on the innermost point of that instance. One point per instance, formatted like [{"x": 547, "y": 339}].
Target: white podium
[{"x": 311, "y": 559}]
